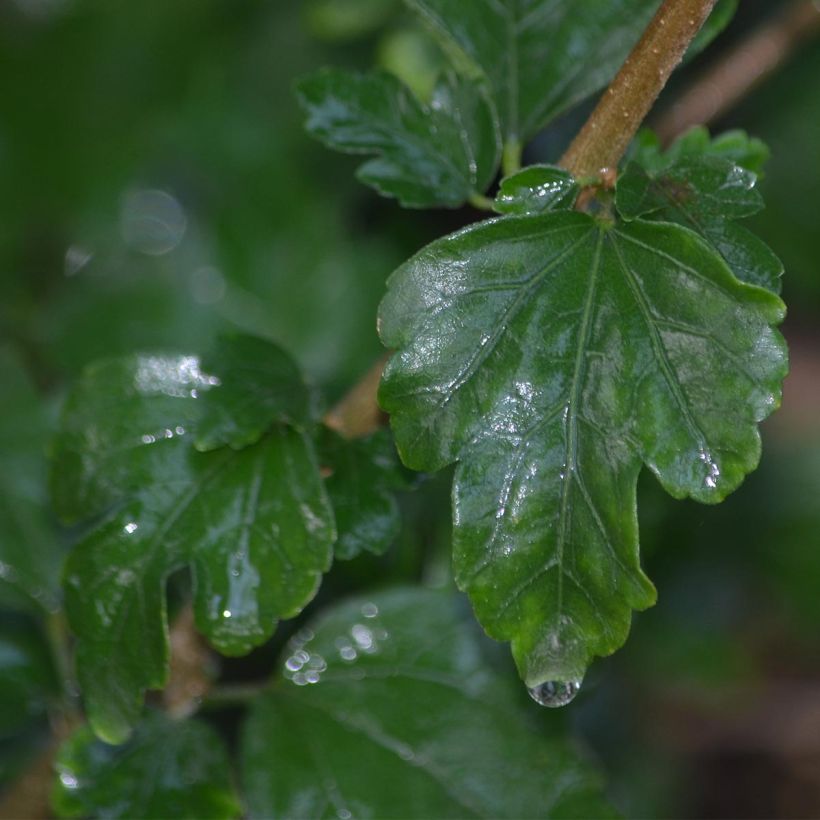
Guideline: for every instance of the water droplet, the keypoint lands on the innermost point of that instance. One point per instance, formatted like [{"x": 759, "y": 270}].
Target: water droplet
[
  {"x": 370, "y": 610},
  {"x": 343, "y": 814},
  {"x": 555, "y": 693},
  {"x": 68, "y": 780},
  {"x": 226, "y": 613},
  {"x": 152, "y": 222},
  {"x": 76, "y": 258},
  {"x": 130, "y": 527}
]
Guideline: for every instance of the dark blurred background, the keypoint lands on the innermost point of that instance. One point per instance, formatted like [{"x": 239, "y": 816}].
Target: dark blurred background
[{"x": 156, "y": 187}]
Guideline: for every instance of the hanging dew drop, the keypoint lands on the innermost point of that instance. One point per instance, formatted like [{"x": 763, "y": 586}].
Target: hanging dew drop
[{"x": 555, "y": 693}]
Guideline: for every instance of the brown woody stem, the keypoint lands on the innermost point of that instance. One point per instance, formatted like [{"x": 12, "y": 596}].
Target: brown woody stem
[
  {"x": 741, "y": 69},
  {"x": 606, "y": 135}
]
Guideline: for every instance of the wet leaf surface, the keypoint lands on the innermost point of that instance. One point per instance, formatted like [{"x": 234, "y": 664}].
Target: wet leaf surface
[
  {"x": 428, "y": 155},
  {"x": 387, "y": 708},
  {"x": 551, "y": 357},
  {"x": 705, "y": 185},
  {"x": 364, "y": 477},
  {"x": 254, "y": 526}
]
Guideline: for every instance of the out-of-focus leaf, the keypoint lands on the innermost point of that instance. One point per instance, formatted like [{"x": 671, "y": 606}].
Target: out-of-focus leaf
[
  {"x": 26, "y": 675},
  {"x": 427, "y": 155},
  {"x": 704, "y": 185},
  {"x": 551, "y": 357},
  {"x": 536, "y": 189},
  {"x": 167, "y": 770},
  {"x": 348, "y": 19},
  {"x": 389, "y": 709},
  {"x": 254, "y": 525},
  {"x": 364, "y": 475},
  {"x": 30, "y": 553},
  {"x": 537, "y": 58}
]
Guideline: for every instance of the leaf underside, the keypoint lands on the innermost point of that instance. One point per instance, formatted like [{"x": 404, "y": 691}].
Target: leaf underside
[{"x": 551, "y": 357}]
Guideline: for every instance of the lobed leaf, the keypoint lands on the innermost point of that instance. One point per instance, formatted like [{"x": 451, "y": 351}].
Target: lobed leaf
[
  {"x": 704, "y": 185},
  {"x": 254, "y": 525},
  {"x": 551, "y": 356},
  {"x": 169, "y": 769},
  {"x": 437, "y": 154},
  {"x": 387, "y": 708}
]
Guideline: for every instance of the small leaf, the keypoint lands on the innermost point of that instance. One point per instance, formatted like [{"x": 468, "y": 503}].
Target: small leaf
[
  {"x": 537, "y": 58},
  {"x": 551, "y": 356},
  {"x": 167, "y": 770},
  {"x": 388, "y": 709},
  {"x": 698, "y": 184},
  {"x": 364, "y": 475},
  {"x": 254, "y": 525},
  {"x": 427, "y": 155},
  {"x": 536, "y": 189},
  {"x": 258, "y": 383},
  {"x": 30, "y": 551}
]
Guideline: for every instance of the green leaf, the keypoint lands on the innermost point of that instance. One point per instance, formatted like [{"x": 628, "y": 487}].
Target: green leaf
[
  {"x": 427, "y": 155},
  {"x": 537, "y": 58},
  {"x": 389, "y": 709},
  {"x": 364, "y": 475},
  {"x": 536, "y": 189},
  {"x": 704, "y": 185},
  {"x": 168, "y": 769},
  {"x": 258, "y": 383},
  {"x": 26, "y": 675},
  {"x": 254, "y": 525},
  {"x": 551, "y": 356},
  {"x": 736, "y": 146},
  {"x": 30, "y": 550}
]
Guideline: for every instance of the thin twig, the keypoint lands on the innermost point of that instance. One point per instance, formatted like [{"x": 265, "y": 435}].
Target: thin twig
[
  {"x": 191, "y": 660},
  {"x": 741, "y": 69},
  {"x": 606, "y": 135}
]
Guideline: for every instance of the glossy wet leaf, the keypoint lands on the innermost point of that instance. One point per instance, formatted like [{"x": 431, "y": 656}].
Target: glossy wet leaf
[
  {"x": 168, "y": 769},
  {"x": 257, "y": 383},
  {"x": 551, "y": 357},
  {"x": 536, "y": 189},
  {"x": 30, "y": 551},
  {"x": 435, "y": 154},
  {"x": 364, "y": 475},
  {"x": 735, "y": 145},
  {"x": 254, "y": 526},
  {"x": 537, "y": 58},
  {"x": 388, "y": 708},
  {"x": 27, "y": 680},
  {"x": 705, "y": 185}
]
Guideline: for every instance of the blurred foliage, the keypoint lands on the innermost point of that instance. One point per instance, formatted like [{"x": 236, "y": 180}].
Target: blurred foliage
[{"x": 264, "y": 231}]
